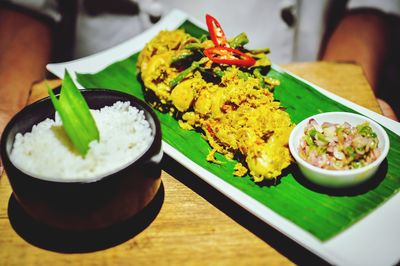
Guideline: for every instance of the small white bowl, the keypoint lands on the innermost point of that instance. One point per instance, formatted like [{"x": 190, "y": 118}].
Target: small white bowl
[{"x": 338, "y": 178}]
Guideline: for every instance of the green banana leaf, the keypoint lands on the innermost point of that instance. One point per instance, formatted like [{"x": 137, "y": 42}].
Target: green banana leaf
[{"x": 322, "y": 212}]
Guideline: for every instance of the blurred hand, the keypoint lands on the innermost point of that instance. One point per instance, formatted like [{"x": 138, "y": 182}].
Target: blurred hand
[
  {"x": 362, "y": 37},
  {"x": 387, "y": 110},
  {"x": 4, "y": 118}
]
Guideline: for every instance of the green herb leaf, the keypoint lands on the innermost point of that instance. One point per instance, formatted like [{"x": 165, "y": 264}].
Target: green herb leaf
[{"x": 75, "y": 115}]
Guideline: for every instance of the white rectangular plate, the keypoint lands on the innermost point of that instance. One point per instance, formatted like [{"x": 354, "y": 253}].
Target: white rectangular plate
[{"x": 374, "y": 240}]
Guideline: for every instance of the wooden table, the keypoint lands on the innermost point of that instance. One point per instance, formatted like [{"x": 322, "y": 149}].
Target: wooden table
[{"x": 195, "y": 224}]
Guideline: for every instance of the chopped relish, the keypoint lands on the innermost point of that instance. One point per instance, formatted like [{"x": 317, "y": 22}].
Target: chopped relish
[{"x": 338, "y": 146}]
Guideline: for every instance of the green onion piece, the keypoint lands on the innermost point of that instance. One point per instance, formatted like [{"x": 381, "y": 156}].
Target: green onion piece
[
  {"x": 75, "y": 115},
  {"x": 239, "y": 40},
  {"x": 243, "y": 75},
  {"x": 321, "y": 150},
  {"x": 181, "y": 55},
  {"x": 203, "y": 38},
  {"x": 260, "y": 51},
  {"x": 312, "y": 132},
  {"x": 187, "y": 71},
  {"x": 351, "y": 152},
  {"x": 356, "y": 165},
  {"x": 219, "y": 73},
  {"x": 365, "y": 130},
  {"x": 193, "y": 46},
  {"x": 309, "y": 141},
  {"x": 321, "y": 137},
  {"x": 257, "y": 74},
  {"x": 183, "y": 74}
]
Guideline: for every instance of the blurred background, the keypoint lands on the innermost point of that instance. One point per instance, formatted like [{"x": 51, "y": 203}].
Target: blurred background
[
  {"x": 362, "y": 32},
  {"x": 295, "y": 31}
]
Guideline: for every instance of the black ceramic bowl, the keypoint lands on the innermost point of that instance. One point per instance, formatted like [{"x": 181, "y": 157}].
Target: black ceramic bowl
[{"x": 113, "y": 198}]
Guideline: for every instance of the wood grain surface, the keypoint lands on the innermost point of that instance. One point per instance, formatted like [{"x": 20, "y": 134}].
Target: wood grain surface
[{"x": 190, "y": 223}]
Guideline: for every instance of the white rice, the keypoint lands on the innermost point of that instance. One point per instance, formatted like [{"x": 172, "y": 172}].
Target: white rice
[{"x": 47, "y": 153}]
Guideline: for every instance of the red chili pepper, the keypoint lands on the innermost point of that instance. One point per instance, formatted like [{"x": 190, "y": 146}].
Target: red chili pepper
[
  {"x": 230, "y": 56},
  {"x": 216, "y": 32}
]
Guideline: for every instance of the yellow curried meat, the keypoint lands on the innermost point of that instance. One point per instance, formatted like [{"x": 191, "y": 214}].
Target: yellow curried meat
[{"x": 233, "y": 106}]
